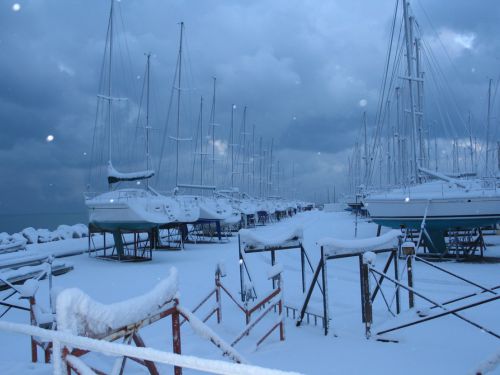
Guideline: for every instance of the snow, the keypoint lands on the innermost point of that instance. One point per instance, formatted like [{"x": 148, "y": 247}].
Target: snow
[
  {"x": 442, "y": 346},
  {"x": 488, "y": 366},
  {"x": 29, "y": 288},
  {"x": 251, "y": 238},
  {"x": 79, "y": 314},
  {"x": 369, "y": 258},
  {"x": 12, "y": 242},
  {"x": 204, "y": 331},
  {"x": 338, "y": 246},
  {"x": 114, "y": 175},
  {"x": 274, "y": 271},
  {"x": 79, "y": 365}
]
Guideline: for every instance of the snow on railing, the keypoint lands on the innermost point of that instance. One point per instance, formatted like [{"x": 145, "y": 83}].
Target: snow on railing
[
  {"x": 60, "y": 339},
  {"x": 336, "y": 246}
]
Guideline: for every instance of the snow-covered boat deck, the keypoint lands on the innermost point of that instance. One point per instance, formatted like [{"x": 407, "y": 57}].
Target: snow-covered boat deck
[{"x": 442, "y": 346}]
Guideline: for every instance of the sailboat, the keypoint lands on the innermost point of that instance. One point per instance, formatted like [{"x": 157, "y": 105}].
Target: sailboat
[
  {"x": 432, "y": 202},
  {"x": 138, "y": 208}
]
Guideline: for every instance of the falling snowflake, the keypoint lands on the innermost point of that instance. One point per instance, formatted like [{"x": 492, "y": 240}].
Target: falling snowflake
[
  {"x": 363, "y": 102},
  {"x": 49, "y": 138},
  {"x": 16, "y": 7}
]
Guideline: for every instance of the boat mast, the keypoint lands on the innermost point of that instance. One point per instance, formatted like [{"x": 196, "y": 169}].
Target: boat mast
[
  {"x": 232, "y": 144},
  {"x": 488, "y": 128},
  {"x": 253, "y": 159},
  {"x": 261, "y": 161},
  {"x": 244, "y": 148},
  {"x": 410, "y": 78},
  {"x": 148, "y": 128},
  {"x": 178, "y": 106},
  {"x": 109, "y": 78},
  {"x": 212, "y": 123},
  {"x": 201, "y": 140},
  {"x": 365, "y": 149}
]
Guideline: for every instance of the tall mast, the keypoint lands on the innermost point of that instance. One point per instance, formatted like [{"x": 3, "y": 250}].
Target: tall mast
[
  {"x": 253, "y": 158},
  {"x": 365, "y": 156},
  {"x": 148, "y": 128},
  {"x": 213, "y": 132},
  {"x": 232, "y": 145},
  {"x": 261, "y": 160},
  {"x": 471, "y": 145},
  {"x": 419, "y": 100},
  {"x": 178, "y": 106},
  {"x": 244, "y": 148},
  {"x": 109, "y": 77},
  {"x": 271, "y": 167},
  {"x": 409, "y": 62},
  {"x": 488, "y": 128},
  {"x": 201, "y": 140}
]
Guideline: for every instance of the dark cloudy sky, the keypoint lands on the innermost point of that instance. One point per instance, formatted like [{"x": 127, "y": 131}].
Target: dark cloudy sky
[{"x": 301, "y": 66}]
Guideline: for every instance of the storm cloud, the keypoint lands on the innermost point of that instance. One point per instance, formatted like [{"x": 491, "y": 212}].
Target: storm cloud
[{"x": 301, "y": 68}]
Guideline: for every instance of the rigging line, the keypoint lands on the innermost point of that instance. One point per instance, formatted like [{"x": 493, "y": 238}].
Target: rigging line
[
  {"x": 382, "y": 89},
  {"x": 440, "y": 41},
  {"x": 140, "y": 104},
  {"x": 388, "y": 57},
  {"x": 165, "y": 127},
  {"x": 100, "y": 89},
  {"x": 447, "y": 85},
  {"x": 382, "y": 92},
  {"x": 196, "y": 145},
  {"x": 439, "y": 101},
  {"x": 396, "y": 65}
]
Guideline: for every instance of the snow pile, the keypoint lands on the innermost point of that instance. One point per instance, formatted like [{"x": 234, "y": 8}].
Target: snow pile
[
  {"x": 369, "y": 258},
  {"x": 63, "y": 232},
  {"x": 338, "y": 246},
  {"x": 12, "y": 274},
  {"x": 251, "y": 239},
  {"x": 12, "y": 242},
  {"x": 79, "y": 314}
]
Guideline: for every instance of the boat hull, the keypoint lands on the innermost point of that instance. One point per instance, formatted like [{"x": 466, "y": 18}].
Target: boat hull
[{"x": 440, "y": 214}]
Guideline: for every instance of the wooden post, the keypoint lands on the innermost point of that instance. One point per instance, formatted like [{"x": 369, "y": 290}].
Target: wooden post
[
  {"x": 409, "y": 265},
  {"x": 273, "y": 262},
  {"x": 280, "y": 308},
  {"x": 34, "y": 349},
  {"x": 366, "y": 297},
  {"x": 302, "y": 267},
  {"x": 217, "y": 296},
  {"x": 324, "y": 279},
  {"x": 396, "y": 276},
  {"x": 242, "y": 281},
  {"x": 176, "y": 338},
  {"x": 363, "y": 315}
]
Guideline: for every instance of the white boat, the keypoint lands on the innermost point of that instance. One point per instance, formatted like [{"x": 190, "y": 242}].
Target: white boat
[
  {"x": 126, "y": 208},
  {"x": 431, "y": 201},
  {"x": 134, "y": 209}
]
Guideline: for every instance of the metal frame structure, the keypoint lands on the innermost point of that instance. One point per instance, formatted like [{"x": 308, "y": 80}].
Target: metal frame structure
[
  {"x": 367, "y": 297},
  {"x": 269, "y": 303},
  {"x": 142, "y": 249}
]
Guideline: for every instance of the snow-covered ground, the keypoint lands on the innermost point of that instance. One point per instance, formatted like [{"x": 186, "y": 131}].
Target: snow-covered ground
[{"x": 446, "y": 345}]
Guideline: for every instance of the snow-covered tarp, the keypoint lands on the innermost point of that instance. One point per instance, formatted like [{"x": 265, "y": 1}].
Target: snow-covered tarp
[
  {"x": 115, "y": 176},
  {"x": 79, "y": 314},
  {"x": 338, "y": 246},
  {"x": 251, "y": 239}
]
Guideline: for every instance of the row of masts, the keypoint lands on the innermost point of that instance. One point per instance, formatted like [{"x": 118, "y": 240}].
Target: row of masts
[
  {"x": 251, "y": 170},
  {"x": 395, "y": 159}
]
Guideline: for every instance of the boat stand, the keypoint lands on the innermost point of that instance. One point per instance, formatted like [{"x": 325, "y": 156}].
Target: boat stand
[
  {"x": 128, "y": 245},
  {"x": 367, "y": 297}
]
